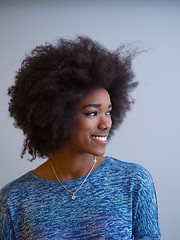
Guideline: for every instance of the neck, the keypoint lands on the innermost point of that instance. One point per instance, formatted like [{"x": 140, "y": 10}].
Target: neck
[{"x": 70, "y": 166}]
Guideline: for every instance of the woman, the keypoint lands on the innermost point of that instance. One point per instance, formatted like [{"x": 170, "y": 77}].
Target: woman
[{"x": 68, "y": 99}]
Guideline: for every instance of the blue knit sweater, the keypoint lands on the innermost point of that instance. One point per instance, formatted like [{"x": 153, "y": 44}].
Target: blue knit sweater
[{"x": 117, "y": 201}]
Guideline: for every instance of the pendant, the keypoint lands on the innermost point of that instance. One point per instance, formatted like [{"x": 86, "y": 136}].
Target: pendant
[{"x": 73, "y": 196}]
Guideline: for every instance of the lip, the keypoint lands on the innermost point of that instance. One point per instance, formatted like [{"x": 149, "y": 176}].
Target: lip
[{"x": 96, "y": 138}]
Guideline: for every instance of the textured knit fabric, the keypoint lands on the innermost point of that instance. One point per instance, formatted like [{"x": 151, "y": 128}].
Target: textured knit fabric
[{"x": 117, "y": 201}]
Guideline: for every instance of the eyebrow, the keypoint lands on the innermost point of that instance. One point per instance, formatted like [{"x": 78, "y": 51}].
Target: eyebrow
[{"x": 95, "y": 105}]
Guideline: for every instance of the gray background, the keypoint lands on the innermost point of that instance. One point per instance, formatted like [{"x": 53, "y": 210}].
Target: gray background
[{"x": 150, "y": 133}]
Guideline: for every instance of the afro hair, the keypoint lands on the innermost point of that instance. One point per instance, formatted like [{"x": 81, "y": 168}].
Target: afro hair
[{"x": 54, "y": 78}]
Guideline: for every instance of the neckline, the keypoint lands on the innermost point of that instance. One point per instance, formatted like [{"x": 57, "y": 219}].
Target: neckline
[{"x": 75, "y": 180}]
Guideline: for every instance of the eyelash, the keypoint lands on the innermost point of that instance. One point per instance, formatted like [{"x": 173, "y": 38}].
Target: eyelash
[{"x": 92, "y": 114}]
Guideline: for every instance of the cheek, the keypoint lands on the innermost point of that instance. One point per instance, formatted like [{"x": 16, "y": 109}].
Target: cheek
[
  {"x": 111, "y": 122},
  {"x": 86, "y": 125},
  {"x": 81, "y": 126}
]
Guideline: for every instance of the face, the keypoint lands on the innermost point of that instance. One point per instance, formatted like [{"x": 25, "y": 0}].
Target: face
[{"x": 94, "y": 123}]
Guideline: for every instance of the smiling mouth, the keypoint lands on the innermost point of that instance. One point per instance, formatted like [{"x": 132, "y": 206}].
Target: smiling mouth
[{"x": 102, "y": 139}]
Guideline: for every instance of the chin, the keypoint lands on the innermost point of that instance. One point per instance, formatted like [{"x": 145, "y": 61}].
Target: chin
[{"x": 98, "y": 153}]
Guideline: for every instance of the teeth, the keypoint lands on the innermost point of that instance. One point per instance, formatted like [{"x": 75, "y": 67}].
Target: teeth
[{"x": 100, "y": 138}]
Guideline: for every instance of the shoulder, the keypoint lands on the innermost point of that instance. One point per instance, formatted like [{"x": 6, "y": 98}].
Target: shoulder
[
  {"x": 129, "y": 170},
  {"x": 133, "y": 175},
  {"x": 16, "y": 187}
]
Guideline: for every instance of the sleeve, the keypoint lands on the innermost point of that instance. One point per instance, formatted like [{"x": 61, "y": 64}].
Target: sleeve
[
  {"x": 146, "y": 224},
  {"x": 6, "y": 227}
]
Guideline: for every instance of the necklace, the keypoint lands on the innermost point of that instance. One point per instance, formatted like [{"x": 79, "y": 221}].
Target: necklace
[{"x": 73, "y": 193}]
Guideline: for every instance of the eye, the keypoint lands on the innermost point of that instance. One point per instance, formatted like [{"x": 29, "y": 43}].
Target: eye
[
  {"x": 109, "y": 113},
  {"x": 91, "y": 114}
]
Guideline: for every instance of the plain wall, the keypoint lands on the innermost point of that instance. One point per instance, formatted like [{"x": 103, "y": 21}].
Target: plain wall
[{"x": 150, "y": 133}]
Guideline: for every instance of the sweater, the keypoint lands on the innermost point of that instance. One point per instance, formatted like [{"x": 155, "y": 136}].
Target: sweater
[{"x": 117, "y": 201}]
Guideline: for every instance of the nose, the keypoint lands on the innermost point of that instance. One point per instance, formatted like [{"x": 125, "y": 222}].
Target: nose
[{"x": 105, "y": 123}]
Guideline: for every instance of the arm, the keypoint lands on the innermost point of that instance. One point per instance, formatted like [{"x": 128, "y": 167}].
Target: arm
[
  {"x": 146, "y": 224},
  {"x": 6, "y": 225}
]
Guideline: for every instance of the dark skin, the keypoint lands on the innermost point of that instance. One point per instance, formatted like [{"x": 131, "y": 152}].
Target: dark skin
[{"x": 76, "y": 158}]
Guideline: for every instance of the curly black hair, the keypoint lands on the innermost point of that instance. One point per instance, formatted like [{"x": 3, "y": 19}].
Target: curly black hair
[{"x": 54, "y": 78}]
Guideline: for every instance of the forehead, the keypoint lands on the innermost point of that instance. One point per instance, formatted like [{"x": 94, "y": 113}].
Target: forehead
[{"x": 96, "y": 96}]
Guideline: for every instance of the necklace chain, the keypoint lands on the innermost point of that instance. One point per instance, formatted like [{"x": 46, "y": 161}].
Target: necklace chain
[{"x": 73, "y": 193}]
